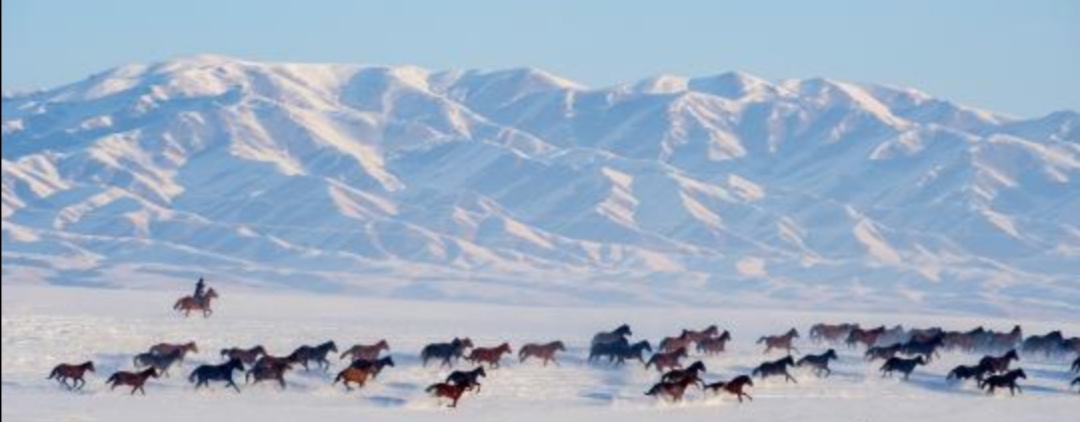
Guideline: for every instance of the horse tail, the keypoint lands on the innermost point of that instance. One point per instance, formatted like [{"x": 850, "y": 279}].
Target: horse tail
[
  {"x": 340, "y": 375},
  {"x": 431, "y": 388},
  {"x": 55, "y": 372},
  {"x": 113, "y": 379},
  {"x": 191, "y": 378},
  {"x": 760, "y": 340},
  {"x": 651, "y": 361},
  {"x": 135, "y": 361},
  {"x": 179, "y": 304}
]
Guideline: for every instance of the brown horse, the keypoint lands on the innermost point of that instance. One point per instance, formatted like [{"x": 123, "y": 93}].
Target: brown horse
[
  {"x": 247, "y": 356},
  {"x": 866, "y": 337},
  {"x": 831, "y": 333},
  {"x": 366, "y": 351},
  {"x": 734, "y": 387},
  {"x": 698, "y": 336},
  {"x": 780, "y": 342},
  {"x": 63, "y": 372},
  {"x": 489, "y": 355},
  {"x": 373, "y": 367},
  {"x": 134, "y": 379},
  {"x": 714, "y": 345},
  {"x": 671, "y": 344},
  {"x": 163, "y": 349},
  {"x": 673, "y": 389},
  {"x": 450, "y": 391},
  {"x": 541, "y": 351},
  {"x": 666, "y": 360},
  {"x": 187, "y": 304},
  {"x": 353, "y": 375},
  {"x": 269, "y": 370},
  {"x": 999, "y": 364}
]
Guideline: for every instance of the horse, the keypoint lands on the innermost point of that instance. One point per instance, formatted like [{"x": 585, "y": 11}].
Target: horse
[
  {"x": 714, "y": 345},
  {"x": 999, "y": 364},
  {"x": 780, "y": 342},
  {"x": 904, "y": 366},
  {"x": 202, "y": 375},
  {"x": 830, "y": 333},
  {"x": 366, "y": 352},
  {"x": 1075, "y": 382},
  {"x": 1076, "y": 365},
  {"x": 666, "y": 360},
  {"x": 1046, "y": 344},
  {"x": 735, "y": 386},
  {"x": 248, "y": 356},
  {"x": 269, "y": 370},
  {"x": 63, "y": 372},
  {"x": 305, "y": 354},
  {"x": 963, "y": 372},
  {"x": 374, "y": 367},
  {"x": 691, "y": 371},
  {"x": 1002, "y": 381},
  {"x": 777, "y": 367},
  {"x": 1001, "y": 341},
  {"x": 541, "y": 351},
  {"x": 445, "y": 351},
  {"x": 864, "y": 336},
  {"x": 698, "y": 336},
  {"x": 927, "y": 348},
  {"x": 820, "y": 363},
  {"x": 883, "y": 352},
  {"x": 135, "y": 379},
  {"x": 671, "y": 344},
  {"x": 187, "y": 304},
  {"x": 673, "y": 389},
  {"x": 605, "y": 337},
  {"x": 620, "y": 350},
  {"x": 166, "y": 348},
  {"x": 161, "y": 363},
  {"x": 267, "y": 361},
  {"x": 354, "y": 375},
  {"x": 469, "y": 379},
  {"x": 450, "y": 391},
  {"x": 489, "y": 355}
]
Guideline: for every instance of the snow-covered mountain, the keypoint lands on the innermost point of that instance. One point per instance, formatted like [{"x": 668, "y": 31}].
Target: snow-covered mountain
[{"x": 405, "y": 181}]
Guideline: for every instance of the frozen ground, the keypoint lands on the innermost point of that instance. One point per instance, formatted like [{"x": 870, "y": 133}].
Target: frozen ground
[{"x": 44, "y": 325}]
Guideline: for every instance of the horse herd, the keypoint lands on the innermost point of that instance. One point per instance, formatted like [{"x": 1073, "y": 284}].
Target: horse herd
[{"x": 902, "y": 350}]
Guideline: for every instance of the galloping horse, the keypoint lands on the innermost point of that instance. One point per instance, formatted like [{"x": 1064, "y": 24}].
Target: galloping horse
[
  {"x": 269, "y": 370},
  {"x": 698, "y": 336},
  {"x": 489, "y": 355},
  {"x": 373, "y": 367},
  {"x": 666, "y": 360},
  {"x": 469, "y": 379},
  {"x": 248, "y": 356},
  {"x": 714, "y": 345},
  {"x": 366, "y": 352},
  {"x": 820, "y": 363},
  {"x": 673, "y": 389},
  {"x": 671, "y": 344},
  {"x": 135, "y": 379},
  {"x": 691, "y": 371},
  {"x": 608, "y": 337},
  {"x": 1002, "y": 381},
  {"x": 999, "y": 364},
  {"x": 64, "y": 372},
  {"x": 317, "y": 354},
  {"x": 778, "y": 367},
  {"x": 780, "y": 342},
  {"x": 167, "y": 348},
  {"x": 734, "y": 386},
  {"x": 450, "y": 391},
  {"x": 963, "y": 372},
  {"x": 541, "y": 351},
  {"x": 187, "y": 304},
  {"x": 202, "y": 375},
  {"x": 447, "y": 352},
  {"x": 831, "y": 333},
  {"x": 904, "y": 366}
]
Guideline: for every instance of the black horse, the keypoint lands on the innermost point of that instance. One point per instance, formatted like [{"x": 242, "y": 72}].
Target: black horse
[
  {"x": 999, "y": 364},
  {"x": 775, "y": 368},
  {"x": 963, "y": 372},
  {"x": 446, "y": 351},
  {"x": 267, "y": 370},
  {"x": 374, "y": 367},
  {"x": 469, "y": 379},
  {"x": 202, "y": 375},
  {"x": 904, "y": 366},
  {"x": 619, "y": 351},
  {"x": 306, "y": 354},
  {"x": 605, "y": 337},
  {"x": 820, "y": 363},
  {"x": 883, "y": 352},
  {"x": 925, "y": 348},
  {"x": 693, "y": 370},
  {"x": 1002, "y": 381},
  {"x": 1046, "y": 344}
]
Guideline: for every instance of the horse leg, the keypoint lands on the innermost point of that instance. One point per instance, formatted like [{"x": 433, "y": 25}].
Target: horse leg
[
  {"x": 234, "y": 386},
  {"x": 788, "y": 376}
]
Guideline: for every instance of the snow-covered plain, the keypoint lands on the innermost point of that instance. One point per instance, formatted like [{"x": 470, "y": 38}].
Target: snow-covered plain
[{"x": 44, "y": 325}]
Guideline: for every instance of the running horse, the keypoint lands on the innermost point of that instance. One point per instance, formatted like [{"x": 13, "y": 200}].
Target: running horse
[
  {"x": 780, "y": 342},
  {"x": 541, "y": 351},
  {"x": 187, "y": 304},
  {"x": 65, "y": 371},
  {"x": 734, "y": 387}
]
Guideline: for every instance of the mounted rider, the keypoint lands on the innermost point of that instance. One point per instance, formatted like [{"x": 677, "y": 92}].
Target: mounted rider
[{"x": 200, "y": 290}]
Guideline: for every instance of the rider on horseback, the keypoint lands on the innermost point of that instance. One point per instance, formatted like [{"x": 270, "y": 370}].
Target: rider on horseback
[{"x": 200, "y": 289}]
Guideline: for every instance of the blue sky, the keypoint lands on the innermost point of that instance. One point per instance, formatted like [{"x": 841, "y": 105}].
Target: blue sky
[{"x": 1020, "y": 57}]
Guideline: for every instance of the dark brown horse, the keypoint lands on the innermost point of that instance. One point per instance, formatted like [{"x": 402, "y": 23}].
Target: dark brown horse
[
  {"x": 904, "y": 366},
  {"x": 666, "y": 360},
  {"x": 714, "y": 345},
  {"x": 698, "y": 336},
  {"x": 63, "y": 372},
  {"x": 1002, "y": 381},
  {"x": 869, "y": 338},
  {"x": 541, "y": 351},
  {"x": 489, "y": 355},
  {"x": 134, "y": 379},
  {"x": 780, "y": 342},
  {"x": 776, "y": 368},
  {"x": 820, "y": 363},
  {"x": 883, "y": 352},
  {"x": 469, "y": 379},
  {"x": 964, "y": 372},
  {"x": 269, "y": 370},
  {"x": 694, "y": 370},
  {"x": 366, "y": 351},
  {"x": 167, "y": 348},
  {"x": 187, "y": 304},
  {"x": 306, "y": 354},
  {"x": 672, "y": 389},
  {"x": 248, "y": 356},
  {"x": 450, "y": 391},
  {"x": 999, "y": 364},
  {"x": 374, "y": 367},
  {"x": 671, "y": 344},
  {"x": 735, "y": 387}
]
